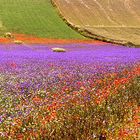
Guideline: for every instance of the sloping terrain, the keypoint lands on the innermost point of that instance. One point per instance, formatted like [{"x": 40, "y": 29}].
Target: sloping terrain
[
  {"x": 111, "y": 20},
  {"x": 0, "y": 24},
  {"x": 2, "y": 28},
  {"x": 35, "y": 17}
]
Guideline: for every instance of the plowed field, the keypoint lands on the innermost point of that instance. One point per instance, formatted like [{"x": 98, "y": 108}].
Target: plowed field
[{"x": 111, "y": 20}]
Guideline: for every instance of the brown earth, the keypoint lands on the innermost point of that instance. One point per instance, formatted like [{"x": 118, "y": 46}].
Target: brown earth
[{"x": 115, "y": 21}]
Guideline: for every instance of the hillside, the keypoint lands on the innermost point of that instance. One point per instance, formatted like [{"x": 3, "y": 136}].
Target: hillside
[
  {"x": 111, "y": 20},
  {"x": 35, "y": 17}
]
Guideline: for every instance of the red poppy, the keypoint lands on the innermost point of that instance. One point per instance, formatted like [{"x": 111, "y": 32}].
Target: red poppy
[{"x": 36, "y": 99}]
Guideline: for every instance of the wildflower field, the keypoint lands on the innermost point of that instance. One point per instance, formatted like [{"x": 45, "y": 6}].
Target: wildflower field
[
  {"x": 88, "y": 91},
  {"x": 56, "y": 84}
]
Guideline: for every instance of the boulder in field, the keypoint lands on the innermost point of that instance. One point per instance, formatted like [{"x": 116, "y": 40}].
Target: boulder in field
[
  {"x": 8, "y": 35},
  {"x": 58, "y": 50},
  {"x": 18, "y": 42}
]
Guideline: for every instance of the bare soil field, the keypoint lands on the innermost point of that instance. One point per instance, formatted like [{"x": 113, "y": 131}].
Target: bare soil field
[{"x": 115, "y": 21}]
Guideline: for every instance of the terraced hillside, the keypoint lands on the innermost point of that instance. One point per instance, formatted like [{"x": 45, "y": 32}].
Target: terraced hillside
[
  {"x": 110, "y": 20},
  {"x": 36, "y": 17}
]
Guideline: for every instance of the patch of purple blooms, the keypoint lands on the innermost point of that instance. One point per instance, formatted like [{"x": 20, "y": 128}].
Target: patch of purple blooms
[{"x": 27, "y": 71}]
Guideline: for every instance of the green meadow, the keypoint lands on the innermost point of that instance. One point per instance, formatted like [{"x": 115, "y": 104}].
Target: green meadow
[{"x": 34, "y": 17}]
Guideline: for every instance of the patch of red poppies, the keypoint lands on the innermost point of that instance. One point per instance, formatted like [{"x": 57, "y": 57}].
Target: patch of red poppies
[{"x": 36, "y": 40}]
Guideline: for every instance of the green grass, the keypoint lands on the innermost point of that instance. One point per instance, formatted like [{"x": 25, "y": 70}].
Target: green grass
[{"x": 35, "y": 17}]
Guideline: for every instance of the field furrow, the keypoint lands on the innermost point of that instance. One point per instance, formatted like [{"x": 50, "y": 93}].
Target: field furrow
[{"x": 104, "y": 13}]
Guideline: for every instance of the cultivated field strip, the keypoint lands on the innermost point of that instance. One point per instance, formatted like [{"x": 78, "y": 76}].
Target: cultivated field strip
[
  {"x": 0, "y": 24},
  {"x": 112, "y": 19},
  {"x": 2, "y": 28},
  {"x": 34, "y": 17}
]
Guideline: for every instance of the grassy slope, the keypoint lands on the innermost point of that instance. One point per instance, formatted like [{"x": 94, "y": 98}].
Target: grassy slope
[
  {"x": 36, "y": 17},
  {"x": 116, "y": 20}
]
